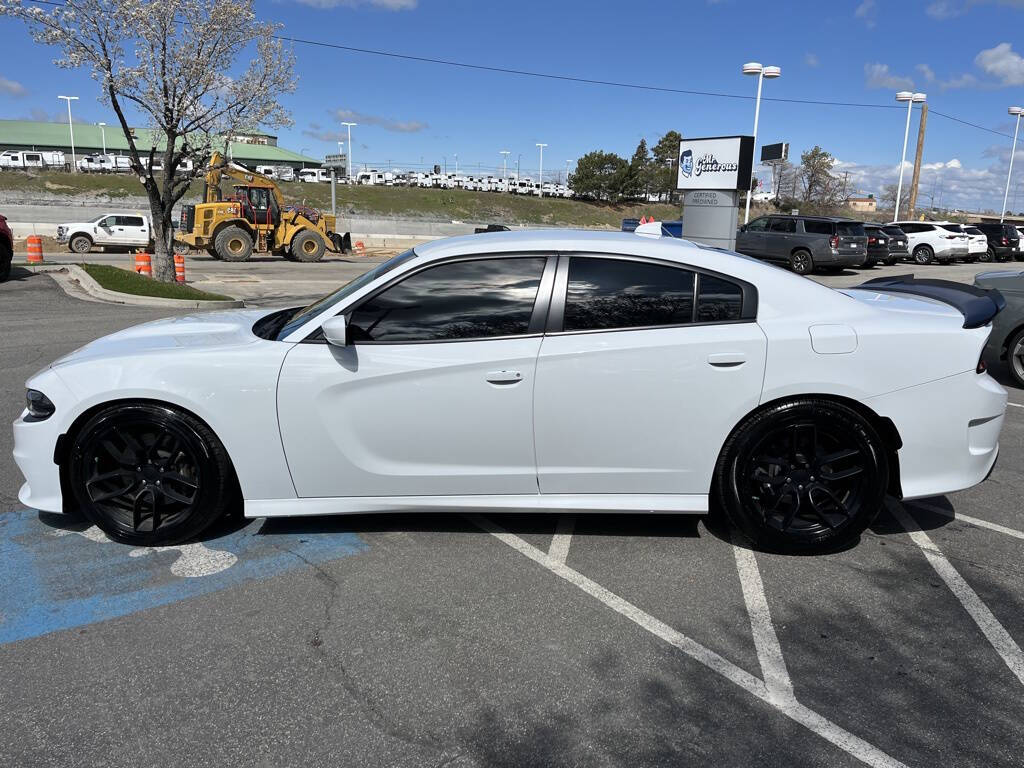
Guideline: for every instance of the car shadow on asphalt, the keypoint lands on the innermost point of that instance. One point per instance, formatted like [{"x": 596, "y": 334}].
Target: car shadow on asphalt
[{"x": 19, "y": 273}]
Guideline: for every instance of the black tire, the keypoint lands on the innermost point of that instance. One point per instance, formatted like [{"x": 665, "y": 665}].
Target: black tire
[
  {"x": 801, "y": 262},
  {"x": 868, "y": 263},
  {"x": 890, "y": 261},
  {"x": 308, "y": 246},
  {"x": 80, "y": 244},
  {"x": 213, "y": 253},
  {"x": 6, "y": 257},
  {"x": 805, "y": 476},
  {"x": 149, "y": 474},
  {"x": 923, "y": 254},
  {"x": 233, "y": 244},
  {"x": 1015, "y": 357},
  {"x": 988, "y": 256}
]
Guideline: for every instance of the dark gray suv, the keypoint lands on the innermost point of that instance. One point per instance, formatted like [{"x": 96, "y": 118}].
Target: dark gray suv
[{"x": 805, "y": 243}]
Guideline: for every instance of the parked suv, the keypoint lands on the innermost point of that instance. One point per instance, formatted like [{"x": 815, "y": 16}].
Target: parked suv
[
  {"x": 878, "y": 246},
  {"x": 6, "y": 249},
  {"x": 1003, "y": 241},
  {"x": 929, "y": 242},
  {"x": 897, "y": 243},
  {"x": 804, "y": 242}
]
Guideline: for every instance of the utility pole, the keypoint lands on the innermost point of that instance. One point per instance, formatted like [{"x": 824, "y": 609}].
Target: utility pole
[
  {"x": 917, "y": 161},
  {"x": 540, "y": 173},
  {"x": 348, "y": 162},
  {"x": 504, "y": 162}
]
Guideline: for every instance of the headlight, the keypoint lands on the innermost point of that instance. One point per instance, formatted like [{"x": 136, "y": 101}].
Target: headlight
[{"x": 39, "y": 405}]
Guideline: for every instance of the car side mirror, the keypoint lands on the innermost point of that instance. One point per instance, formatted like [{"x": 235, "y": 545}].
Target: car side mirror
[{"x": 336, "y": 331}]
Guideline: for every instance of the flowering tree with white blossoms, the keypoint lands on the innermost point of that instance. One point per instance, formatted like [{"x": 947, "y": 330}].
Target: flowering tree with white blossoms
[{"x": 180, "y": 66}]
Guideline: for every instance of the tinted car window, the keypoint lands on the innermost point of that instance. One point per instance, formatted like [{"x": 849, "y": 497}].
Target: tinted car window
[
  {"x": 894, "y": 231},
  {"x": 758, "y": 225},
  {"x": 854, "y": 228},
  {"x": 129, "y": 221},
  {"x": 973, "y": 231},
  {"x": 612, "y": 293},
  {"x": 783, "y": 225},
  {"x": 718, "y": 299},
  {"x": 460, "y": 300},
  {"x": 816, "y": 227},
  {"x": 952, "y": 228}
]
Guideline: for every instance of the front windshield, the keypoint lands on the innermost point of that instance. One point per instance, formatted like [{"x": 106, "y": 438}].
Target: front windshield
[
  {"x": 302, "y": 316},
  {"x": 98, "y": 219}
]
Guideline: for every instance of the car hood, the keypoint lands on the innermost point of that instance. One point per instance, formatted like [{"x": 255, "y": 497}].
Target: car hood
[{"x": 206, "y": 330}]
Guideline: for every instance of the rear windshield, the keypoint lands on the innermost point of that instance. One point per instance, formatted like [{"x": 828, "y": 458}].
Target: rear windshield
[
  {"x": 818, "y": 227},
  {"x": 894, "y": 231},
  {"x": 973, "y": 231},
  {"x": 951, "y": 227},
  {"x": 849, "y": 228},
  {"x": 1011, "y": 231}
]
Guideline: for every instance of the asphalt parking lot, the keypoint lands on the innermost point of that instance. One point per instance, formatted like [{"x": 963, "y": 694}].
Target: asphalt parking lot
[{"x": 502, "y": 640}]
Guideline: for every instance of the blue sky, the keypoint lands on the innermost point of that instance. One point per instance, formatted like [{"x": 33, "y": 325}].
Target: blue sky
[{"x": 963, "y": 53}]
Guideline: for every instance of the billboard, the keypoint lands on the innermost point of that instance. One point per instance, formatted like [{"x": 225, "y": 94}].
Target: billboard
[
  {"x": 774, "y": 152},
  {"x": 722, "y": 162},
  {"x": 335, "y": 161}
]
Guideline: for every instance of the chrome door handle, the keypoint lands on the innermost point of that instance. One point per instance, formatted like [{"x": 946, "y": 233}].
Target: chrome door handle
[
  {"x": 727, "y": 359},
  {"x": 504, "y": 377}
]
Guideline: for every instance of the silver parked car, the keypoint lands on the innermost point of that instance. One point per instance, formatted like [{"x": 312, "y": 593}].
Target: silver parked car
[{"x": 805, "y": 243}]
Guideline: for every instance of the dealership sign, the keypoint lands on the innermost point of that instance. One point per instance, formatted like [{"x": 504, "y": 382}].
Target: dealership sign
[{"x": 723, "y": 162}]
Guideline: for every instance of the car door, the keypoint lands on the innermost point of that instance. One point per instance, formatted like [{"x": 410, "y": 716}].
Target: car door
[
  {"x": 645, "y": 369},
  {"x": 133, "y": 230},
  {"x": 780, "y": 239},
  {"x": 434, "y": 393},
  {"x": 105, "y": 231},
  {"x": 750, "y": 238}
]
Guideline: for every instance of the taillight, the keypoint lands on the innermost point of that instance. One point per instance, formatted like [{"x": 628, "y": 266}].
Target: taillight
[
  {"x": 1005, "y": 240},
  {"x": 872, "y": 240},
  {"x": 834, "y": 242},
  {"x": 981, "y": 365}
]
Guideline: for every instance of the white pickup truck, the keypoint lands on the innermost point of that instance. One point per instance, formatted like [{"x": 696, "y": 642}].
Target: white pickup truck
[{"x": 111, "y": 230}]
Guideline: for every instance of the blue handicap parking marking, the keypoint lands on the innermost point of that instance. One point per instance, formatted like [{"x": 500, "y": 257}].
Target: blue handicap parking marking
[{"x": 59, "y": 573}]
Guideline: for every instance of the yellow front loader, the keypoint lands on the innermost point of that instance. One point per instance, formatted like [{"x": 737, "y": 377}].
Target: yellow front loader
[{"x": 255, "y": 219}]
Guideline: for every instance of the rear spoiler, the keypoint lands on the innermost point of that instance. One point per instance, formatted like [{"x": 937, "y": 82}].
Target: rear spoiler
[{"x": 977, "y": 305}]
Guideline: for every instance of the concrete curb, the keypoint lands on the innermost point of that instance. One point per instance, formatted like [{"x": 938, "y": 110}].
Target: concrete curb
[{"x": 97, "y": 291}]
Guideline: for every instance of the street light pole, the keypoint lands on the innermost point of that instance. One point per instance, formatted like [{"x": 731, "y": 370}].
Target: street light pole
[
  {"x": 910, "y": 98},
  {"x": 456, "y": 163},
  {"x": 103, "y": 134},
  {"x": 348, "y": 163},
  {"x": 567, "y": 173},
  {"x": 540, "y": 172},
  {"x": 1018, "y": 111},
  {"x": 754, "y": 68},
  {"x": 74, "y": 160},
  {"x": 504, "y": 162}
]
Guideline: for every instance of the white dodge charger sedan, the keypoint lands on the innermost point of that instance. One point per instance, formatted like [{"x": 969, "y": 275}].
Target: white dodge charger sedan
[{"x": 528, "y": 371}]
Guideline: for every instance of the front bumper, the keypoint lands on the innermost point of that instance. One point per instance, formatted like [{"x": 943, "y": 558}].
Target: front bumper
[
  {"x": 956, "y": 451},
  {"x": 35, "y": 443}
]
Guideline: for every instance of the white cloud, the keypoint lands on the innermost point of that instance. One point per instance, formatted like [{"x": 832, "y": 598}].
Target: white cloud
[
  {"x": 388, "y": 124},
  {"x": 866, "y": 12},
  {"x": 388, "y": 5},
  {"x": 945, "y": 9},
  {"x": 966, "y": 80},
  {"x": 1003, "y": 63},
  {"x": 11, "y": 87},
  {"x": 926, "y": 72},
  {"x": 811, "y": 60},
  {"x": 878, "y": 76}
]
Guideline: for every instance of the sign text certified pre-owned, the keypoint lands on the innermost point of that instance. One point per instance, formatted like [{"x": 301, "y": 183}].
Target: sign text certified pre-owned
[{"x": 719, "y": 163}]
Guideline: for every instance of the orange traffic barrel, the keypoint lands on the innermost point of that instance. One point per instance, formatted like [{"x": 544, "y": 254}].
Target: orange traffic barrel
[
  {"x": 143, "y": 264},
  {"x": 360, "y": 248},
  {"x": 34, "y": 246},
  {"x": 179, "y": 267}
]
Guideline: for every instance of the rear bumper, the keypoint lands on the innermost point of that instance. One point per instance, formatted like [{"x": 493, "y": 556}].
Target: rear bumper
[
  {"x": 1005, "y": 252},
  {"x": 956, "y": 451},
  {"x": 954, "y": 251},
  {"x": 834, "y": 258}
]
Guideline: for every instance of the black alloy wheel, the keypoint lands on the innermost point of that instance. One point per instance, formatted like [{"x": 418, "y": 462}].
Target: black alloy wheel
[
  {"x": 923, "y": 254},
  {"x": 147, "y": 474},
  {"x": 801, "y": 262},
  {"x": 1015, "y": 357},
  {"x": 988, "y": 256},
  {"x": 803, "y": 477}
]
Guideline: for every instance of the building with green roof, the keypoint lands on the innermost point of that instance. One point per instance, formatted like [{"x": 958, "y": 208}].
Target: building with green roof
[{"x": 250, "y": 149}]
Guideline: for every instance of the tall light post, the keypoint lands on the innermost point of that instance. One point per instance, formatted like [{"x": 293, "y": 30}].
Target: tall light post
[
  {"x": 567, "y": 172},
  {"x": 103, "y": 134},
  {"x": 754, "y": 68},
  {"x": 348, "y": 160},
  {"x": 71, "y": 129},
  {"x": 911, "y": 99},
  {"x": 456, "y": 154},
  {"x": 518, "y": 159},
  {"x": 1018, "y": 111},
  {"x": 504, "y": 162},
  {"x": 540, "y": 172}
]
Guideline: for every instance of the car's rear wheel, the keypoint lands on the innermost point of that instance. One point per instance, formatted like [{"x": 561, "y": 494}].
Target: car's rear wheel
[
  {"x": 923, "y": 254},
  {"x": 308, "y": 246},
  {"x": 148, "y": 474},
  {"x": 803, "y": 476},
  {"x": 1015, "y": 357},
  {"x": 988, "y": 256},
  {"x": 891, "y": 261},
  {"x": 801, "y": 262},
  {"x": 234, "y": 244}
]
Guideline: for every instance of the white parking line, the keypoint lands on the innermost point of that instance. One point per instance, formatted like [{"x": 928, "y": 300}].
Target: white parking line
[
  {"x": 968, "y": 519},
  {"x": 769, "y": 652},
  {"x": 1015, "y": 405},
  {"x": 559, "y": 549},
  {"x": 790, "y": 707},
  {"x": 983, "y": 617}
]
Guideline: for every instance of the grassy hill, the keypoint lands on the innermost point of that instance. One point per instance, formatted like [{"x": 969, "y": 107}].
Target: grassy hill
[{"x": 404, "y": 202}]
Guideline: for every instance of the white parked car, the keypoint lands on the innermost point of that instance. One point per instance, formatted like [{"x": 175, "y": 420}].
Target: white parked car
[
  {"x": 529, "y": 371},
  {"x": 110, "y": 229},
  {"x": 977, "y": 242},
  {"x": 928, "y": 242}
]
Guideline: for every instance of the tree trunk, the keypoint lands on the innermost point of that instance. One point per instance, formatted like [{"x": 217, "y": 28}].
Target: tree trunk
[{"x": 163, "y": 253}]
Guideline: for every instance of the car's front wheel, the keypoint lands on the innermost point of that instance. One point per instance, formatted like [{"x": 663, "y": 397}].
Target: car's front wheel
[
  {"x": 80, "y": 244},
  {"x": 804, "y": 476},
  {"x": 988, "y": 256},
  {"x": 148, "y": 474},
  {"x": 923, "y": 254}
]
